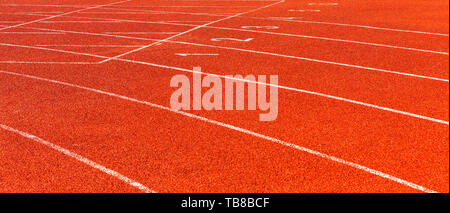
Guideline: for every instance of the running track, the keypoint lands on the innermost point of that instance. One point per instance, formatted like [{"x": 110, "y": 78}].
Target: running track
[{"x": 363, "y": 87}]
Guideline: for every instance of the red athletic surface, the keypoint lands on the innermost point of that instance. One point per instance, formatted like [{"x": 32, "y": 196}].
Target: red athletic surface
[{"x": 169, "y": 152}]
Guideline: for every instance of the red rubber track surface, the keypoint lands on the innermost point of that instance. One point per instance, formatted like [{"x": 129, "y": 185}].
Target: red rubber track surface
[{"x": 346, "y": 71}]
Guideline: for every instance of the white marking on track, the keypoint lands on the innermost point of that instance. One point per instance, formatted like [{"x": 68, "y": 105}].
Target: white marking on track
[
  {"x": 34, "y": 33},
  {"x": 261, "y": 27},
  {"x": 305, "y": 10},
  {"x": 79, "y": 158},
  {"x": 196, "y": 54},
  {"x": 232, "y": 39},
  {"x": 86, "y": 45},
  {"x": 238, "y": 129},
  {"x": 138, "y": 33},
  {"x": 323, "y": 4},
  {"x": 44, "y": 62},
  {"x": 285, "y": 18}
]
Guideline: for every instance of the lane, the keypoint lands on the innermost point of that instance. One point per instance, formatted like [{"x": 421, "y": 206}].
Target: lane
[
  {"x": 419, "y": 96},
  {"x": 343, "y": 130},
  {"x": 419, "y": 15},
  {"x": 368, "y": 57},
  {"x": 167, "y": 154},
  {"x": 281, "y": 87},
  {"x": 30, "y": 167}
]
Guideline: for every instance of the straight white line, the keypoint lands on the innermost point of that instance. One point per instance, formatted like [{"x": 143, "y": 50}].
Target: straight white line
[
  {"x": 263, "y": 53},
  {"x": 138, "y": 33},
  {"x": 84, "y": 6},
  {"x": 196, "y": 54},
  {"x": 80, "y": 158},
  {"x": 136, "y": 12},
  {"x": 193, "y": 29},
  {"x": 255, "y": 82},
  {"x": 34, "y": 33},
  {"x": 55, "y": 50},
  {"x": 238, "y": 129},
  {"x": 88, "y": 22},
  {"x": 86, "y": 45},
  {"x": 323, "y": 4},
  {"x": 55, "y": 16},
  {"x": 44, "y": 62}
]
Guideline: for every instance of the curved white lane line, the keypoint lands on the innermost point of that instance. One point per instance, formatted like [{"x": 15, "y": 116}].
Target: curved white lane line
[
  {"x": 80, "y": 158},
  {"x": 255, "y": 82},
  {"x": 245, "y": 131}
]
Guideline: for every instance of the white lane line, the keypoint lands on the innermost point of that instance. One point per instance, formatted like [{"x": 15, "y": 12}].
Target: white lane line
[
  {"x": 190, "y": 30},
  {"x": 196, "y": 54},
  {"x": 138, "y": 33},
  {"x": 323, "y": 4},
  {"x": 34, "y": 33},
  {"x": 84, "y": 6},
  {"x": 305, "y": 10},
  {"x": 44, "y": 62},
  {"x": 167, "y": 12},
  {"x": 80, "y": 158},
  {"x": 87, "y": 22},
  {"x": 289, "y": 35},
  {"x": 59, "y": 15},
  {"x": 86, "y": 45},
  {"x": 245, "y": 131},
  {"x": 255, "y": 82},
  {"x": 263, "y": 53}
]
